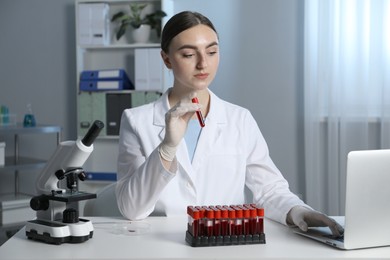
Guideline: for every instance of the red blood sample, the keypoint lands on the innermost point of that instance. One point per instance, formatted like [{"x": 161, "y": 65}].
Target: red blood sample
[
  {"x": 217, "y": 221},
  {"x": 209, "y": 225},
  {"x": 238, "y": 221},
  {"x": 202, "y": 220},
  {"x": 193, "y": 221},
  {"x": 224, "y": 220},
  {"x": 260, "y": 220},
  {"x": 232, "y": 221},
  {"x": 252, "y": 218}
]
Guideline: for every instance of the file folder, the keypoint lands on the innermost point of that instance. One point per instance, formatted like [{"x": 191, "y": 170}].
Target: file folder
[
  {"x": 96, "y": 85},
  {"x": 148, "y": 69},
  {"x": 117, "y": 74},
  {"x": 115, "y": 104},
  {"x": 99, "y": 80},
  {"x": 93, "y": 20}
]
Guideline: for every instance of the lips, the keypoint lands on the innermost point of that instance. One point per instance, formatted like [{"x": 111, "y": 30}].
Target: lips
[{"x": 201, "y": 75}]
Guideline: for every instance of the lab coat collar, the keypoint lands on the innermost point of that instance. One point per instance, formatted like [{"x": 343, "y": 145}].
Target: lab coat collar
[{"x": 161, "y": 107}]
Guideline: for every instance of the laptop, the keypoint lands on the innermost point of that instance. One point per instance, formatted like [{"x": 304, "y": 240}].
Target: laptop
[{"x": 367, "y": 213}]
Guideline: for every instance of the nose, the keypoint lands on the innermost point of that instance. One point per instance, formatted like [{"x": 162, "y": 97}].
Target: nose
[{"x": 202, "y": 61}]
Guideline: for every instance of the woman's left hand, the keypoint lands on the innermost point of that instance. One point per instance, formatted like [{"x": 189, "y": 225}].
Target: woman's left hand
[{"x": 304, "y": 218}]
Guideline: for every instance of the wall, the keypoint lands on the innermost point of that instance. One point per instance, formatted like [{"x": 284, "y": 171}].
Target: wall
[
  {"x": 261, "y": 67},
  {"x": 38, "y": 60},
  {"x": 37, "y": 66}
]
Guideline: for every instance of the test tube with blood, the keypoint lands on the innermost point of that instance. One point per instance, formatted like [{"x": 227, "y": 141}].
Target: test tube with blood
[
  {"x": 209, "y": 225},
  {"x": 193, "y": 221},
  {"x": 260, "y": 220},
  {"x": 238, "y": 221},
  {"x": 232, "y": 220},
  {"x": 252, "y": 219},
  {"x": 245, "y": 220},
  {"x": 202, "y": 220},
  {"x": 217, "y": 221},
  {"x": 224, "y": 220},
  {"x": 199, "y": 113}
]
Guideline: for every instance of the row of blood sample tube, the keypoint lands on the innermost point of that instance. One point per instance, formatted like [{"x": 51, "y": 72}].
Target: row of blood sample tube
[{"x": 247, "y": 219}]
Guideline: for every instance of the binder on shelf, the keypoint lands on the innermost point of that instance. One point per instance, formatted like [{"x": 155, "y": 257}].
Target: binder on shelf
[
  {"x": 100, "y": 80},
  {"x": 116, "y": 74},
  {"x": 141, "y": 67},
  {"x": 148, "y": 69},
  {"x": 155, "y": 69},
  {"x": 95, "y": 85},
  {"x": 93, "y": 24}
]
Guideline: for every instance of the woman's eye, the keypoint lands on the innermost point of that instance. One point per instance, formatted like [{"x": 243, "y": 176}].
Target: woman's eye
[{"x": 188, "y": 55}]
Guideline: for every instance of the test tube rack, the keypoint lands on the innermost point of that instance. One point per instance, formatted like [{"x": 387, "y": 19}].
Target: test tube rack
[{"x": 225, "y": 225}]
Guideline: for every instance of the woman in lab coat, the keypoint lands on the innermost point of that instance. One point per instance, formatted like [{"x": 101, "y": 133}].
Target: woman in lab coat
[{"x": 167, "y": 161}]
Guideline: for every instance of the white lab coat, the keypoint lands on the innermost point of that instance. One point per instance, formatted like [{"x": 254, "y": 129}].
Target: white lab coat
[{"x": 231, "y": 153}]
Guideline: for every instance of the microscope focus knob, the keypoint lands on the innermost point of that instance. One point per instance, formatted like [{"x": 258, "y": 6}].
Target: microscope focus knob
[
  {"x": 70, "y": 215},
  {"x": 39, "y": 203}
]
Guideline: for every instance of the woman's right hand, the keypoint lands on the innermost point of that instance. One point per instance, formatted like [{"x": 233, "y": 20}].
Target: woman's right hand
[{"x": 176, "y": 121}]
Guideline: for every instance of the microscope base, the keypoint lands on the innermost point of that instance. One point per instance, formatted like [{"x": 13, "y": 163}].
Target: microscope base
[{"x": 56, "y": 232}]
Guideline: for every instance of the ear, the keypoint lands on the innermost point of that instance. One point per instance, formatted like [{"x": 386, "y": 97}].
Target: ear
[{"x": 166, "y": 60}]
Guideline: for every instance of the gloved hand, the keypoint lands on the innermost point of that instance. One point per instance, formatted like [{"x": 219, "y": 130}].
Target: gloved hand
[
  {"x": 304, "y": 218},
  {"x": 176, "y": 121}
]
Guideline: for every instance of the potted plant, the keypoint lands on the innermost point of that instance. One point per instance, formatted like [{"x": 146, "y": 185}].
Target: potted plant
[{"x": 136, "y": 20}]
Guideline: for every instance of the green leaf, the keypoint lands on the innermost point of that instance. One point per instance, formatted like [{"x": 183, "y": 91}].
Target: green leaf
[
  {"x": 134, "y": 19},
  {"x": 117, "y": 16},
  {"x": 121, "y": 31}
]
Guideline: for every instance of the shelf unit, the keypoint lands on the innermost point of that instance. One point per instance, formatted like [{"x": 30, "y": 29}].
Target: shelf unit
[
  {"x": 112, "y": 55},
  {"x": 14, "y": 207},
  {"x": 18, "y": 163}
]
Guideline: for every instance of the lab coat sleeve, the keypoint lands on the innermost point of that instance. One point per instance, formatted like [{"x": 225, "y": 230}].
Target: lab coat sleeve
[
  {"x": 141, "y": 177},
  {"x": 270, "y": 189}
]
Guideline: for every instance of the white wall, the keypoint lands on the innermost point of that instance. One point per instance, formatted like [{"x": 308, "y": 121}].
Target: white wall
[{"x": 261, "y": 67}]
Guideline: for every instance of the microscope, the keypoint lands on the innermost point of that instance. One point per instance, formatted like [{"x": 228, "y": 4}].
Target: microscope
[{"x": 57, "y": 219}]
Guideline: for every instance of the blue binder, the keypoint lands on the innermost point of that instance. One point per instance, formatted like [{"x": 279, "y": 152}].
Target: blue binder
[
  {"x": 115, "y": 74},
  {"x": 103, "y": 80},
  {"x": 96, "y": 85}
]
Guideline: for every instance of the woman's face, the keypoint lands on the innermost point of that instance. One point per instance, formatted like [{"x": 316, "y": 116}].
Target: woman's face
[{"x": 194, "y": 58}]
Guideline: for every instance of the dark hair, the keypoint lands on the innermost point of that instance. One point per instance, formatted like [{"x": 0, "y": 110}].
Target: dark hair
[{"x": 181, "y": 22}]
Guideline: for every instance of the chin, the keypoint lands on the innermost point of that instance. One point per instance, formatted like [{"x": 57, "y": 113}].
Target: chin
[{"x": 202, "y": 86}]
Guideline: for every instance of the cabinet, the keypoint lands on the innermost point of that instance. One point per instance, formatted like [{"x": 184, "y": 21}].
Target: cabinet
[
  {"x": 111, "y": 54},
  {"x": 15, "y": 206}
]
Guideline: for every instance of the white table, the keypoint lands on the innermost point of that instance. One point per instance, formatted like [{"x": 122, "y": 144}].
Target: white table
[{"x": 166, "y": 240}]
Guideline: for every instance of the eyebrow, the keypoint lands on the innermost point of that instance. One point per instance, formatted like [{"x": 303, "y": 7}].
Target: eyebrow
[{"x": 188, "y": 46}]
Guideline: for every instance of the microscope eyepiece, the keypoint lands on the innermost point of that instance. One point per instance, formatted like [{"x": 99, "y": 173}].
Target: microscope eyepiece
[{"x": 92, "y": 133}]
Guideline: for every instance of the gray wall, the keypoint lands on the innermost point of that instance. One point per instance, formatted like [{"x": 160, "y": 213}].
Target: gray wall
[
  {"x": 261, "y": 67},
  {"x": 37, "y": 63},
  {"x": 37, "y": 66}
]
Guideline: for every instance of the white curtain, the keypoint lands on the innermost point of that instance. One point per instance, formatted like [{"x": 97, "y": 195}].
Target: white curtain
[{"x": 347, "y": 91}]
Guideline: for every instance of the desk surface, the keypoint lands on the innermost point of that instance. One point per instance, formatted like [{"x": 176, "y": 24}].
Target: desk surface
[{"x": 166, "y": 240}]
